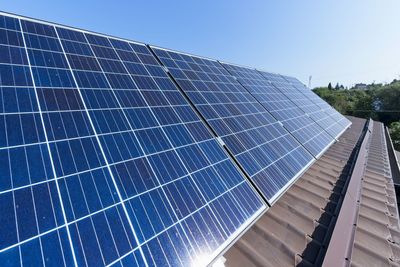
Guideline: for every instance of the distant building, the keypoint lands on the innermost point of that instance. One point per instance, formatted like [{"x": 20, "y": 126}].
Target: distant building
[{"x": 360, "y": 86}]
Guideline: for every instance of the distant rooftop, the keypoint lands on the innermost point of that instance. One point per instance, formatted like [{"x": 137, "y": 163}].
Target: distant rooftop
[{"x": 360, "y": 86}]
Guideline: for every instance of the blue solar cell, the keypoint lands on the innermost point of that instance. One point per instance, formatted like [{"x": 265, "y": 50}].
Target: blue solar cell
[
  {"x": 249, "y": 131},
  {"x": 14, "y": 75},
  {"x": 12, "y": 55},
  {"x": 94, "y": 172},
  {"x": 303, "y": 128},
  {"x": 10, "y": 37}
]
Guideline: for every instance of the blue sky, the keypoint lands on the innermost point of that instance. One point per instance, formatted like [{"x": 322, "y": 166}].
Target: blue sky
[{"x": 338, "y": 41}]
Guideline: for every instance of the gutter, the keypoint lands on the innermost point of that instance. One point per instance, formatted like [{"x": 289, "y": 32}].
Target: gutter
[{"x": 394, "y": 165}]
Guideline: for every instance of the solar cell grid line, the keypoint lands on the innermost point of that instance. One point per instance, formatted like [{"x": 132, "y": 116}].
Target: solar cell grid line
[
  {"x": 31, "y": 214},
  {"x": 342, "y": 120},
  {"x": 303, "y": 128},
  {"x": 88, "y": 196},
  {"x": 311, "y": 109},
  {"x": 270, "y": 156},
  {"x": 111, "y": 53}
]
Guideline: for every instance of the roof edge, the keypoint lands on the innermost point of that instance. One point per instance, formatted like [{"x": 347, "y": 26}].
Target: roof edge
[{"x": 342, "y": 237}]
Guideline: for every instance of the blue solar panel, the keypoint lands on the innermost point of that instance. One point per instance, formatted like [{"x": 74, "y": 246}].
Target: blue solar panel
[
  {"x": 271, "y": 157},
  {"x": 303, "y": 128},
  {"x": 310, "y": 108},
  {"x": 103, "y": 161},
  {"x": 342, "y": 120}
]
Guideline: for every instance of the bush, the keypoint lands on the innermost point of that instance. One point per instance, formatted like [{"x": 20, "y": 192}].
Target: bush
[
  {"x": 394, "y": 130},
  {"x": 379, "y": 102}
]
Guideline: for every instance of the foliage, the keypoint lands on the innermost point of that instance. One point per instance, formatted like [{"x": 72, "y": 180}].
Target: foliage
[
  {"x": 378, "y": 101},
  {"x": 395, "y": 134}
]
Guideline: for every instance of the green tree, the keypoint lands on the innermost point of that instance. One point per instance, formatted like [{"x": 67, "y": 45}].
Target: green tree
[
  {"x": 387, "y": 101},
  {"x": 337, "y": 87},
  {"x": 380, "y": 102},
  {"x": 394, "y": 130},
  {"x": 363, "y": 105}
]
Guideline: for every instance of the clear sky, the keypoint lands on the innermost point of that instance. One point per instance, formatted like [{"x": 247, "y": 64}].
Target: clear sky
[{"x": 345, "y": 41}]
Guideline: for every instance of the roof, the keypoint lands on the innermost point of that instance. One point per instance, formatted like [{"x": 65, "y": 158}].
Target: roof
[{"x": 298, "y": 229}]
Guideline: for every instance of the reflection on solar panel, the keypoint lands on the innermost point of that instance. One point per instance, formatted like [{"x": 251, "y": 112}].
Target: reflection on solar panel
[
  {"x": 313, "y": 110},
  {"x": 102, "y": 159},
  {"x": 303, "y": 128},
  {"x": 264, "y": 149},
  {"x": 318, "y": 101}
]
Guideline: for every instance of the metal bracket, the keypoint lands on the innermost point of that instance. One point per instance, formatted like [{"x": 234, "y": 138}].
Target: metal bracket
[{"x": 220, "y": 141}]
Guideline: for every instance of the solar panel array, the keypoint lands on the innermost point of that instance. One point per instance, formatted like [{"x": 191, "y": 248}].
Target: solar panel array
[
  {"x": 103, "y": 160},
  {"x": 311, "y": 109},
  {"x": 266, "y": 151},
  {"x": 115, "y": 153},
  {"x": 303, "y": 128}
]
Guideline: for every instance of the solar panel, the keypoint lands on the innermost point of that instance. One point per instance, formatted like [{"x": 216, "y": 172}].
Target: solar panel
[
  {"x": 302, "y": 127},
  {"x": 103, "y": 161},
  {"x": 271, "y": 157},
  {"x": 310, "y": 108},
  {"x": 342, "y": 120}
]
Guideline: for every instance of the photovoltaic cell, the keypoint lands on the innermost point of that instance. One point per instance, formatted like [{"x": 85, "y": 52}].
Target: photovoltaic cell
[
  {"x": 302, "y": 101},
  {"x": 107, "y": 163},
  {"x": 264, "y": 149},
  {"x": 303, "y": 128}
]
